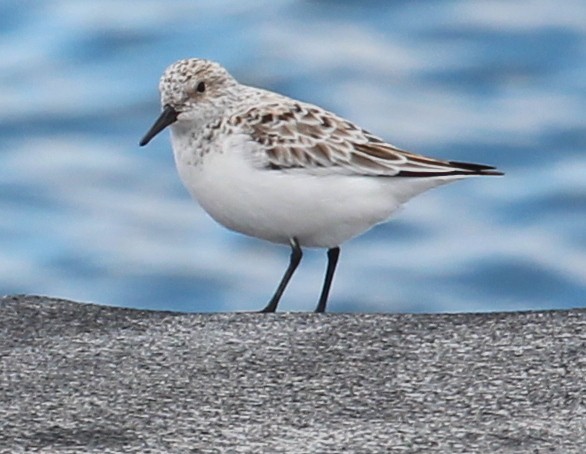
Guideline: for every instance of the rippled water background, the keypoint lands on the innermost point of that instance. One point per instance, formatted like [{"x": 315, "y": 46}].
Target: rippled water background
[{"x": 87, "y": 214}]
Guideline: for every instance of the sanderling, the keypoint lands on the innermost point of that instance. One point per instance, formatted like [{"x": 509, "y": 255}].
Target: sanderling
[{"x": 283, "y": 170}]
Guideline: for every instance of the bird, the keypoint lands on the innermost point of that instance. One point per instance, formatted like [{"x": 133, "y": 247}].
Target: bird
[{"x": 283, "y": 170}]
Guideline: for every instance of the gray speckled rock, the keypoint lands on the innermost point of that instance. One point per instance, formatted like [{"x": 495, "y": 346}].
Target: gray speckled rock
[{"x": 84, "y": 378}]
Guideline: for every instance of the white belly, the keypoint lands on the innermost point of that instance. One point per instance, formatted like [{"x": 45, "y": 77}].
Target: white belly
[{"x": 320, "y": 209}]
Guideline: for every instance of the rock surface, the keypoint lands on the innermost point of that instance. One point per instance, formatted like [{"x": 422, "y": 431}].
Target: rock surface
[{"x": 86, "y": 378}]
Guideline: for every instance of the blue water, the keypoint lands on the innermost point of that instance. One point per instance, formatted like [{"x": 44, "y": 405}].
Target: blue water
[{"x": 86, "y": 214}]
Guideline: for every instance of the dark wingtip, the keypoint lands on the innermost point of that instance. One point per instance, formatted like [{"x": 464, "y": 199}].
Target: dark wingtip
[
  {"x": 454, "y": 168},
  {"x": 477, "y": 169}
]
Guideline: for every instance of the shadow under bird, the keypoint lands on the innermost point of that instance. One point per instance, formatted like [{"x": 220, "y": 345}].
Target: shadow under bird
[{"x": 283, "y": 170}]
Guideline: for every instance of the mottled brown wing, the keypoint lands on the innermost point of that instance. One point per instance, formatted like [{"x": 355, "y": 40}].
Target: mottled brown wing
[{"x": 297, "y": 135}]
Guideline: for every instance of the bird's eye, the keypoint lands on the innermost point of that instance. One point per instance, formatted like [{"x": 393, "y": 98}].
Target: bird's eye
[{"x": 201, "y": 87}]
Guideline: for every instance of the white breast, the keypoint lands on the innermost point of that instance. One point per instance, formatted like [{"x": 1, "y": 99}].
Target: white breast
[{"x": 320, "y": 209}]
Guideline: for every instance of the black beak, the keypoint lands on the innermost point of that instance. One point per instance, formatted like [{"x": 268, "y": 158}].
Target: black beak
[{"x": 167, "y": 117}]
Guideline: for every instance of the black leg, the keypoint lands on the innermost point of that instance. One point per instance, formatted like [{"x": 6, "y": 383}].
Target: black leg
[
  {"x": 296, "y": 255},
  {"x": 333, "y": 255}
]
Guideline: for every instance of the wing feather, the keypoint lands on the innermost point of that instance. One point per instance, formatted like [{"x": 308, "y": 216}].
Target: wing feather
[{"x": 295, "y": 135}]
